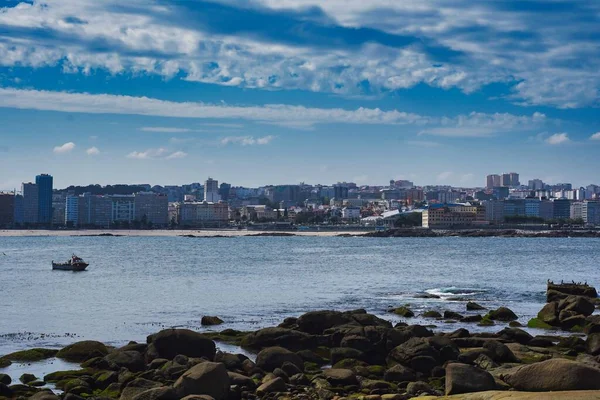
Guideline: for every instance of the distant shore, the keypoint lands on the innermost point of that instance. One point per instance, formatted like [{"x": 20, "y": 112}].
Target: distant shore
[
  {"x": 171, "y": 233},
  {"x": 216, "y": 233}
]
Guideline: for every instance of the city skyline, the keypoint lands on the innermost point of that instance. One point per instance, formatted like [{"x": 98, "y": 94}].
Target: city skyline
[{"x": 313, "y": 91}]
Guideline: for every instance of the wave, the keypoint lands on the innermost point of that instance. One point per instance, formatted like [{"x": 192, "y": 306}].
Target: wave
[{"x": 454, "y": 291}]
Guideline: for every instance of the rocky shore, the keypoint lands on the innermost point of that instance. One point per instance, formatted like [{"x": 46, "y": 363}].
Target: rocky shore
[
  {"x": 506, "y": 233},
  {"x": 329, "y": 355}
]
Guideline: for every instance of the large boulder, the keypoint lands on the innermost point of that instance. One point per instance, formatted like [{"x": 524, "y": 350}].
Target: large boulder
[
  {"x": 400, "y": 373},
  {"x": 554, "y": 375},
  {"x": 132, "y": 360},
  {"x": 206, "y": 378},
  {"x": 592, "y": 344},
  {"x": 274, "y": 357},
  {"x": 158, "y": 393},
  {"x": 282, "y": 337},
  {"x": 577, "y": 304},
  {"x": 170, "y": 342},
  {"x": 273, "y": 386},
  {"x": 515, "y": 335},
  {"x": 557, "y": 291},
  {"x": 316, "y": 322},
  {"x": 211, "y": 320},
  {"x": 499, "y": 352},
  {"x": 463, "y": 378},
  {"x": 340, "y": 376},
  {"x": 549, "y": 313},
  {"x": 502, "y": 314},
  {"x": 83, "y": 351},
  {"x": 417, "y": 354}
]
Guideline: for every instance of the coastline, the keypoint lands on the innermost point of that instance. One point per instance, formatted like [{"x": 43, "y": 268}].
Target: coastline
[{"x": 220, "y": 233}]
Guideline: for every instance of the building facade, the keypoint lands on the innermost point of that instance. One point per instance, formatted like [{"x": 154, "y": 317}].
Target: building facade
[
  {"x": 7, "y": 209},
  {"x": 30, "y": 203},
  {"x": 152, "y": 207},
  {"x": 44, "y": 183},
  {"x": 211, "y": 191},
  {"x": 202, "y": 213},
  {"x": 451, "y": 215}
]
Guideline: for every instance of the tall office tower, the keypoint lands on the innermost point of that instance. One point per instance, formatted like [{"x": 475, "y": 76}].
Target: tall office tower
[
  {"x": 44, "y": 184},
  {"x": 30, "y": 203},
  {"x": 211, "y": 191},
  {"x": 514, "y": 179}
]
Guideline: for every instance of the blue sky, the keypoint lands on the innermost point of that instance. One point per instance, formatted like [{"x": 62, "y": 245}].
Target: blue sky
[{"x": 254, "y": 92}]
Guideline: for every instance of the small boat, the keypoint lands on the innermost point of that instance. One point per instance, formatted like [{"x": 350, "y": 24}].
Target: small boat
[{"x": 74, "y": 264}]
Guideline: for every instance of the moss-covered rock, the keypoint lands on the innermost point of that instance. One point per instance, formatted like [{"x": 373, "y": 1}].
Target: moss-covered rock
[
  {"x": 349, "y": 363},
  {"x": 229, "y": 336},
  {"x": 62, "y": 375},
  {"x": 538, "y": 323},
  {"x": 27, "y": 378},
  {"x": 486, "y": 321},
  {"x": 4, "y": 363},
  {"x": 403, "y": 312},
  {"x": 431, "y": 314},
  {"x": 83, "y": 351},
  {"x": 30, "y": 355}
]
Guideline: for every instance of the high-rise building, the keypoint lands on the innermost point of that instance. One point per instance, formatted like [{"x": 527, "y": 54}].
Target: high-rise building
[
  {"x": 493, "y": 181},
  {"x": 562, "y": 208},
  {"x": 514, "y": 179},
  {"x": 152, "y": 207},
  {"x": 224, "y": 190},
  {"x": 7, "y": 209},
  {"x": 123, "y": 208},
  {"x": 505, "y": 180},
  {"x": 591, "y": 212},
  {"x": 211, "y": 191},
  {"x": 58, "y": 208},
  {"x": 44, "y": 184},
  {"x": 18, "y": 218},
  {"x": 536, "y": 184},
  {"x": 30, "y": 203}
]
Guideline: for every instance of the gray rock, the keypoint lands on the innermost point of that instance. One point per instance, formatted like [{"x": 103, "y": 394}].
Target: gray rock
[
  {"x": 555, "y": 375},
  {"x": 463, "y": 378},
  {"x": 169, "y": 343},
  {"x": 274, "y": 357},
  {"x": 132, "y": 360},
  {"x": 399, "y": 373},
  {"x": 272, "y": 386},
  {"x": 83, "y": 351},
  {"x": 419, "y": 387},
  {"x": 593, "y": 344},
  {"x": 207, "y": 378},
  {"x": 340, "y": 376}
]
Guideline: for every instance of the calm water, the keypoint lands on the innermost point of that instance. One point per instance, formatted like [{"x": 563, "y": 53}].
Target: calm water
[{"x": 137, "y": 286}]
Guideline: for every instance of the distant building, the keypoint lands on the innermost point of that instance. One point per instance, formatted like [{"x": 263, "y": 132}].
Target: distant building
[
  {"x": 44, "y": 184},
  {"x": 452, "y": 215},
  {"x": 340, "y": 191},
  {"x": 19, "y": 216},
  {"x": 536, "y": 184},
  {"x": 224, "y": 190},
  {"x": 514, "y": 208},
  {"x": 122, "y": 208},
  {"x": 561, "y": 209},
  {"x": 493, "y": 181},
  {"x": 501, "y": 192},
  {"x": 514, "y": 179},
  {"x": 494, "y": 211},
  {"x": 7, "y": 209},
  {"x": 211, "y": 191},
  {"x": 351, "y": 213},
  {"x": 58, "y": 208},
  {"x": 30, "y": 203},
  {"x": 505, "y": 180},
  {"x": 591, "y": 212},
  {"x": 532, "y": 207},
  {"x": 288, "y": 194},
  {"x": 202, "y": 213},
  {"x": 152, "y": 207},
  {"x": 546, "y": 209}
]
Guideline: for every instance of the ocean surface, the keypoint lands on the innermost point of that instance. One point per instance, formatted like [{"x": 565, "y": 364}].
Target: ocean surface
[{"x": 137, "y": 286}]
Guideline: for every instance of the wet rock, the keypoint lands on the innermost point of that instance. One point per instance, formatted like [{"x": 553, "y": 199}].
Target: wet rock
[
  {"x": 554, "y": 375},
  {"x": 502, "y": 314},
  {"x": 44, "y": 395},
  {"x": 485, "y": 362},
  {"x": 36, "y": 354},
  {"x": 399, "y": 373},
  {"x": 577, "y": 304},
  {"x": 554, "y": 290},
  {"x": 159, "y": 393},
  {"x": 273, "y": 386},
  {"x": 132, "y": 360},
  {"x": 211, "y": 321},
  {"x": 549, "y": 313},
  {"x": 462, "y": 378},
  {"x": 572, "y": 322},
  {"x": 472, "y": 318},
  {"x": 431, "y": 314},
  {"x": 417, "y": 388},
  {"x": 472, "y": 306},
  {"x": 274, "y": 357},
  {"x": 83, "y": 351},
  {"x": 453, "y": 315},
  {"x": 270, "y": 337},
  {"x": 403, "y": 312},
  {"x": 5, "y": 379},
  {"x": 540, "y": 341},
  {"x": 593, "y": 344},
  {"x": 204, "y": 379},
  {"x": 340, "y": 377},
  {"x": 357, "y": 342},
  {"x": 290, "y": 368},
  {"x": 343, "y": 353},
  {"x": 241, "y": 380},
  {"x": 417, "y": 349},
  {"x": 500, "y": 352},
  {"x": 169, "y": 343},
  {"x": 27, "y": 378},
  {"x": 316, "y": 322},
  {"x": 515, "y": 335},
  {"x": 5, "y": 391}
]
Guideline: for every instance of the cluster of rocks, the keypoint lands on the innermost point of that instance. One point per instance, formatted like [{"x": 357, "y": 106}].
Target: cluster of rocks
[
  {"x": 321, "y": 355},
  {"x": 501, "y": 314},
  {"x": 570, "y": 307}
]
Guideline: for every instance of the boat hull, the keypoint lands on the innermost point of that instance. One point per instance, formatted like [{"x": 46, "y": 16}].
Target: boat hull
[{"x": 70, "y": 267}]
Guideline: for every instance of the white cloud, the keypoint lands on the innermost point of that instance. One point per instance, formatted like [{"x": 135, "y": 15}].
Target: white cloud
[
  {"x": 92, "y": 151},
  {"x": 279, "y": 114},
  {"x": 176, "y": 155},
  {"x": 595, "y": 136},
  {"x": 247, "y": 140},
  {"x": 493, "y": 43},
  {"x": 65, "y": 148},
  {"x": 444, "y": 176},
  {"x": 164, "y": 129},
  {"x": 150, "y": 153},
  {"x": 558, "y": 138}
]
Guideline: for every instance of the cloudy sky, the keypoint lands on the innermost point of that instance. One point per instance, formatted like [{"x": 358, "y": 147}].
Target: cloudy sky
[{"x": 281, "y": 91}]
